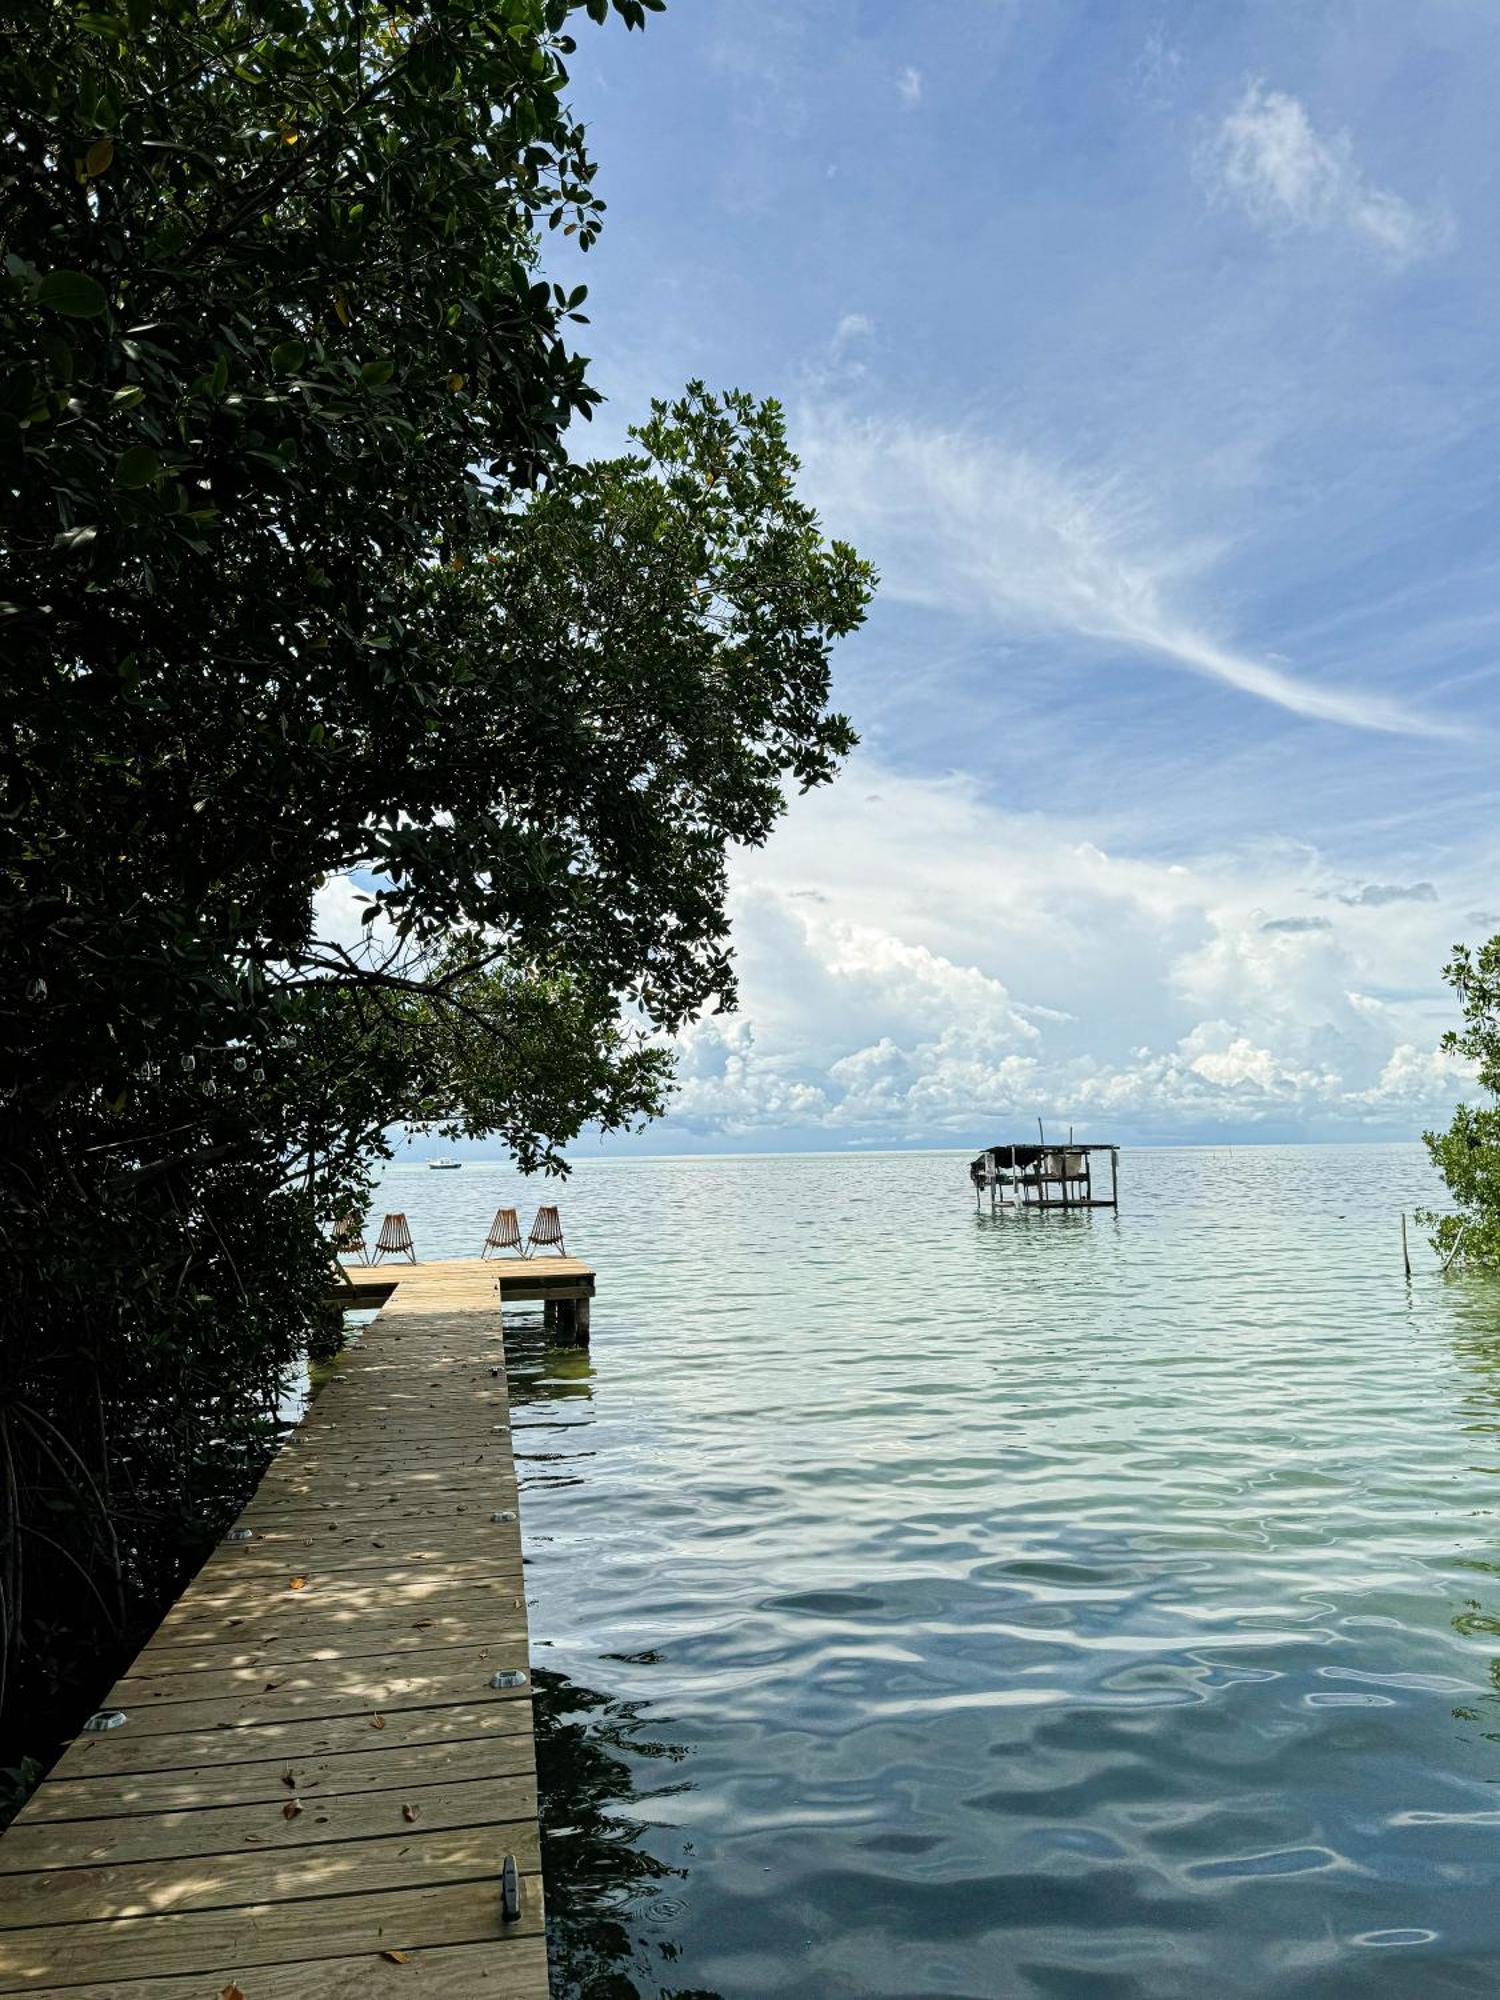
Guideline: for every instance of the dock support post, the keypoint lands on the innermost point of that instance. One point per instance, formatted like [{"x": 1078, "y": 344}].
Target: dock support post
[
  {"x": 549, "y": 1314},
  {"x": 571, "y": 1321}
]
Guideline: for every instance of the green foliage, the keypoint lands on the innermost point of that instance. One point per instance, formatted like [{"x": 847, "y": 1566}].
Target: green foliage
[
  {"x": 1467, "y": 1155},
  {"x": 296, "y": 579}
]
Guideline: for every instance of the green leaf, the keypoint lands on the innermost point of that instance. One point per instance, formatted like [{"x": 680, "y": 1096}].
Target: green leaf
[
  {"x": 74, "y": 294},
  {"x": 289, "y": 356},
  {"x": 137, "y": 467},
  {"x": 375, "y": 374},
  {"x": 126, "y": 399}
]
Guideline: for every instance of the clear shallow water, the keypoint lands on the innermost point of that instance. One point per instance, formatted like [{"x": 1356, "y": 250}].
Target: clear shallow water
[{"x": 1079, "y": 1605}]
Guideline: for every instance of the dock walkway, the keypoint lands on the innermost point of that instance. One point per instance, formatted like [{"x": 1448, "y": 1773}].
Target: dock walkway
[{"x": 318, "y": 1783}]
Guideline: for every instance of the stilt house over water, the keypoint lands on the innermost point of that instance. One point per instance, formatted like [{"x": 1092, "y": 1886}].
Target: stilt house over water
[{"x": 1043, "y": 1176}]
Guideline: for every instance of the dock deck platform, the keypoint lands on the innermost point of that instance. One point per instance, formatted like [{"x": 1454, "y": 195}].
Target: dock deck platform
[{"x": 318, "y": 1783}]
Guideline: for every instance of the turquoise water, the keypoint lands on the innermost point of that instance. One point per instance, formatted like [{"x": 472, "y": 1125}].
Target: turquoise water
[{"x": 931, "y": 1603}]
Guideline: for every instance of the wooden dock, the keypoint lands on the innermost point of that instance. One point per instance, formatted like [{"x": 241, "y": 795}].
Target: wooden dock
[
  {"x": 327, "y": 1753},
  {"x": 563, "y": 1285}
]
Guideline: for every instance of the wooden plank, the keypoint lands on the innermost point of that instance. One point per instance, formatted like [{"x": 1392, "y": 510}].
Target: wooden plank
[
  {"x": 351, "y": 1510},
  {"x": 515, "y": 1971},
  {"x": 206, "y": 1675},
  {"x": 282, "y": 1552},
  {"x": 107, "y": 1758},
  {"x": 313, "y": 1643},
  {"x": 227, "y": 1944},
  {"x": 371, "y": 1768},
  {"x": 367, "y": 1685},
  {"x": 286, "y": 1869},
  {"x": 346, "y": 1591},
  {"x": 294, "y": 1611},
  {"x": 379, "y": 1479}
]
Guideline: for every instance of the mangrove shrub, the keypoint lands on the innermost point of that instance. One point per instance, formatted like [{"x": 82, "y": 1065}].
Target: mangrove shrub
[{"x": 298, "y": 585}]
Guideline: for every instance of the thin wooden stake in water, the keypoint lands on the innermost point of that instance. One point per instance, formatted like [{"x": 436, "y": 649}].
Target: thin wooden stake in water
[{"x": 1405, "y": 1253}]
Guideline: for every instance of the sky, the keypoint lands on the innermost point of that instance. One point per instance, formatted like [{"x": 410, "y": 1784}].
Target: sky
[{"x": 1150, "y": 354}]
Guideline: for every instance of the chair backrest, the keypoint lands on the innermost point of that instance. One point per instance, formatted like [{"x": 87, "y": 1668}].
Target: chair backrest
[
  {"x": 348, "y": 1233},
  {"x": 394, "y": 1234},
  {"x": 547, "y": 1228},
  {"x": 505, "y": 1231}
]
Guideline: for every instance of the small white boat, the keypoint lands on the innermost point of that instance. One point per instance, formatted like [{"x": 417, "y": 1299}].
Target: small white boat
[{"x": 445, "y": 1166}]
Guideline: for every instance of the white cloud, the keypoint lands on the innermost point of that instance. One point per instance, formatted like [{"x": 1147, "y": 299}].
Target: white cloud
[
  {"x": 909, "y": 86},
  {"x": 1157, "y": 70},
  {"x": 851, "y": 328},
  {"x": 339, "y": 909},
  {"x": 1268, "y": 157},
  {"x": 962, "y": 523},
  {"x": 918, "y": 965}
]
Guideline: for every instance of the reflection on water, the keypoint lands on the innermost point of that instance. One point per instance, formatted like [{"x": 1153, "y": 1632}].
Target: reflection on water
[
  {"x": 930, "y": 1603},
  {"x": 605, "y": 1891},
  {"x": 610, "y": 1908}
]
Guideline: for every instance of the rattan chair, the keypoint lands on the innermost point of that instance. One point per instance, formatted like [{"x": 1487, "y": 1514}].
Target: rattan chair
[
  {"x": 394, "y": 1239},
  {"x": 546, "y": 1233},
  {"x": 505, "y": 1234},
  {"x": 349, "y": 1240}
]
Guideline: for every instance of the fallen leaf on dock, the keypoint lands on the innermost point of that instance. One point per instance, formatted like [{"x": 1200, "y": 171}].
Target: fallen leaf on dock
[
  {"x": 409, "y": 1814},
  {"x": 291, "y": 1809},
  {"x": 289, "y": 1779},
  {"x": 377, "y": 1722},
  {"x": 396, "y": 1957},
  {"x": 231, "y": 1992},
  {"x": 298, "y": 1583}
]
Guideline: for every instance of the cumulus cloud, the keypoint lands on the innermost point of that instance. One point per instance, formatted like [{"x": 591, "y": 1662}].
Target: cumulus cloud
[
  {"x": 967, "y": 524},
  {"x": 1269, "y": 157},
  {"x": 963, "y": 969}
]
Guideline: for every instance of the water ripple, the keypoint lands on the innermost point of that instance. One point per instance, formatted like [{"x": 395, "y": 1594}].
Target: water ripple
[{"x": 968, "y": 1606}]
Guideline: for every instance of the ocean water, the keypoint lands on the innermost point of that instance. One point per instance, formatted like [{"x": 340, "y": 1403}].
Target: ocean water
[{"x": 926, "y": 1602}]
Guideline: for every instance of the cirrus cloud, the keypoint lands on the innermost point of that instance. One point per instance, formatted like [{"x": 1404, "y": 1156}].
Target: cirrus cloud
[{"x": 1269, "y": 157}]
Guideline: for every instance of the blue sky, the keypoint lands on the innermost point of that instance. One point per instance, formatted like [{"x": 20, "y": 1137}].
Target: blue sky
[{"x": 1150, "y": 353}]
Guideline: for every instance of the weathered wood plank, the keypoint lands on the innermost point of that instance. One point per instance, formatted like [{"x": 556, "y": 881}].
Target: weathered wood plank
[
  {"x": 372, "y": 1768},
  {"x": 225, "y": 1944},
  {"x": 347, "y": 1590},
  {"x": 280, "y": 1555},
  {"x": 365, "y": 1685},
  {"x": 309, "y": 1643},
  {"x": 515, "y": 1971},
  {"x": 119, "y": 1755},
  {"x": 391, "y": 1855}
]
